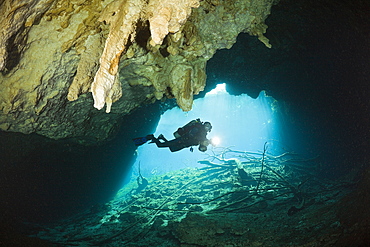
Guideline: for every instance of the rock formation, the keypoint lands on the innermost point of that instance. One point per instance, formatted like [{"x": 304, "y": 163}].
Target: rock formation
[{"x": 131, "y": 52}]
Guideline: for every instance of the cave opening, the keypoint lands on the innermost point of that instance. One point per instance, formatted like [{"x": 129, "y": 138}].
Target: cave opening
[
  {"x": 318, "y": 75},
  {"x": 239, "y": 123}
]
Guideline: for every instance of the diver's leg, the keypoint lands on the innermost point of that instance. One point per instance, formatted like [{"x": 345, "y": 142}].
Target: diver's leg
[
  {"x": 159, "y": 144},
  {"x": 161, "y": 137},
  {"x": 174, "y": 145}
]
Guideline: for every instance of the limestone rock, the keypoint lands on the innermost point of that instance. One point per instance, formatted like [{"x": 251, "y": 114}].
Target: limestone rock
[
  {"x": 86, "y": 68},
  {"x": 122, "y": 17},
  {"x": 168, "y": 17},
  {"x": 16, "y": 18},
  {"x": 164, "y": 17},
  {"x": 53, "y": 52}
]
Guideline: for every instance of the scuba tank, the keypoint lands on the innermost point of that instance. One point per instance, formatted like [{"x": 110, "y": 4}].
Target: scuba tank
[{"x": 186, "y": 128}]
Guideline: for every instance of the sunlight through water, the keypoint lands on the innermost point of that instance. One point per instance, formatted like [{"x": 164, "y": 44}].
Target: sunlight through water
[{"x": 239, "y": 123}]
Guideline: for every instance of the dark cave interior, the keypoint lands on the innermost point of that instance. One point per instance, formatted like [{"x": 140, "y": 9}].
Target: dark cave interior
[{"x": 318, "y": 66}]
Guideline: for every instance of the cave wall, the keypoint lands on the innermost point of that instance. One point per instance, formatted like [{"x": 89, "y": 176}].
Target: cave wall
[
  {"x": 127, "y": 53},
  {"x": 317, "y": 69}
]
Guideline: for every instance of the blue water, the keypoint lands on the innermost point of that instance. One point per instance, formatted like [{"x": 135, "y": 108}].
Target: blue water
[
  {"x": 307, "y": 95},
  {"x": 239, "y": 122}
]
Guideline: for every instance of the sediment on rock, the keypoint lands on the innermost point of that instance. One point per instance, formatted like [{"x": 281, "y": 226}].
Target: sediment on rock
[{"x": 69, "y": 48}]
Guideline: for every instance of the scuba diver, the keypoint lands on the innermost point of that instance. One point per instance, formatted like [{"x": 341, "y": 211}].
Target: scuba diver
[{"x": 192, "y": 134}]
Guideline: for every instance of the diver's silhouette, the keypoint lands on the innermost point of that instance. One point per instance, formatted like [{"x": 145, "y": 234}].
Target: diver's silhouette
[{"x": 192, "y": 134}]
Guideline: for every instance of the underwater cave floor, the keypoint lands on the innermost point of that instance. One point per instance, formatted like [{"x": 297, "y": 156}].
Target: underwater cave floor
[{"x": 212, "y": 206}]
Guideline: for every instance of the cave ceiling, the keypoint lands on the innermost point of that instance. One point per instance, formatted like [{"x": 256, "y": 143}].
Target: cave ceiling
[{"x": 72, "y": 69}]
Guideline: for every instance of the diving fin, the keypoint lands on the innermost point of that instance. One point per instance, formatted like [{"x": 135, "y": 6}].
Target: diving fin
[{"x": 141, "y": 140}]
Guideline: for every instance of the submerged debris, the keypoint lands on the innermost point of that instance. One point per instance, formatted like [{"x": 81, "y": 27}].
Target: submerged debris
[{"x": 237, "y": 198}]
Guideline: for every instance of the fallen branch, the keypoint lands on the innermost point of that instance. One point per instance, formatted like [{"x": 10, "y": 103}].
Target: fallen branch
[{"x": 263, "y": 159}]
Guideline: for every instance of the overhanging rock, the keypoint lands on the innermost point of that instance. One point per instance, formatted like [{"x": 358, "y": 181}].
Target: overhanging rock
[{"x": 127, "y": 53}]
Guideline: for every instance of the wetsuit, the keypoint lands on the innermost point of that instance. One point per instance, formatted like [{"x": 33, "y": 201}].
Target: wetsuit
[{"x": 192, "y": 136}]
